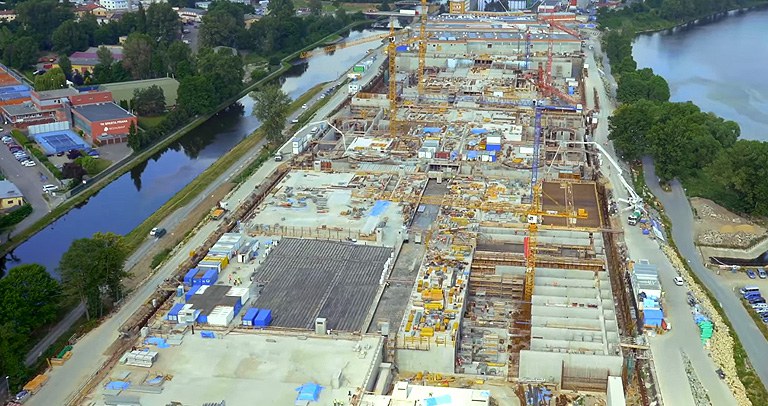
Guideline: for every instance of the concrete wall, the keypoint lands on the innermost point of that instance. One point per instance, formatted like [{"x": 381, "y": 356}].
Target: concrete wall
[
  {"x": 549, "y": 366},
  {"x": 373, "y": 370}
]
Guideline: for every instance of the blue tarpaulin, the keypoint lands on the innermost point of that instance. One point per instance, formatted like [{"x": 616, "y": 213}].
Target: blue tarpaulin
[
  {"x": 650, "y": 303},
  {"x": 653, "y": 317},
  {"x": 429, "y": 130},
  {"x": 379, "y": 207},
  {"x": 309, "y": 392},
  {"x": 207, "y": 334},
  {"x": 159, "y": 342},
  {"x": 118, "y": 385},
  {"x": 479, "y": 131},
  {"x": 439, "y": 400},
  {"x": 472, "y": 155}
]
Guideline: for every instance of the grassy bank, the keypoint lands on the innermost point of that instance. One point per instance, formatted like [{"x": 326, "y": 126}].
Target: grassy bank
[{"x": 93, "y": 188}]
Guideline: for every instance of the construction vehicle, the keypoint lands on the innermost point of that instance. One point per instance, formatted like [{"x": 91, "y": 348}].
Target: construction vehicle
[
  {"x": 217, "y": 213},
  {"x": 634, "y": 218}
]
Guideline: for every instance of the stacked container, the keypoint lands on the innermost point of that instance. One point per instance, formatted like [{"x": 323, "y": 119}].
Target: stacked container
[
  {"x": 190, "y": 276},
  {"x": 242, "y": 293},
  {"x": 191, "y": 292},
  {"x": 210, "y": 277},
  {"x": 221, "y": 316},
  {"x": 263, "y": 318},
  {"x": 249, "y": 315},
  {"x": 173, "y": 315},
  {"x": 493, "y": 143}
]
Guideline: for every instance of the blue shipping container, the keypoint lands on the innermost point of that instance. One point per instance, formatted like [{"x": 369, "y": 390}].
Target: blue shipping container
[
  {"x": 202, "y": 318},
  {"x": 249, "y": 315},
  {"x": 263, "y": 318},
  {"x": 190, "y": 276},
  {"x": 493, "y": 147},
  {"x": 191, "y": 292},
  {"x": 238, "y": 305},
  {"x": 571, "y": 90},
  {"x": 210, "y": 277},
  {"x": 173, "y": 315}
]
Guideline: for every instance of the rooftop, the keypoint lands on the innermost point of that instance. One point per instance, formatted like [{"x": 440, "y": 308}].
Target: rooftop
[
  {"x": 20, "y": 109},
  {"x": 56, "y": 93},
  {"x": 238, "y": 367},
  {"x": 100, "y": 112},
  {"x": 307, "y": 279},
  {"x": 9, "y": 190},
  {"x": 124, "y": 90}
]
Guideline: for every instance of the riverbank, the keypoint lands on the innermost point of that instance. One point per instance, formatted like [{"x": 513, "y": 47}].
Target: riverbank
[{"x": 97, "y": 183}]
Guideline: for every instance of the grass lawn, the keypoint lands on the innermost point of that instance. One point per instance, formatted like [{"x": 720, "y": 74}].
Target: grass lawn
[
  {"x": 348, "y": 7},
  {"x": 150, "y": 122},
  {"x": 100, "y": 164}
]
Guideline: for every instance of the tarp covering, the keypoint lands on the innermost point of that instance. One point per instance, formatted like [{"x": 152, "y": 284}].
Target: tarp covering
[
  {"x": 479, "y": 131},
  {"x": 309, "y": 392},
  {"x": 653, "y": 317},
  {"x": 439, "y": 400},
  {"x": 430, "y": 130},
  {"x": 118, "y": 385}
]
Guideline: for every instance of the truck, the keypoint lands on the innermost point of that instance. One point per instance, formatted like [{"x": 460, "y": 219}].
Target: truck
[
  {"x": 35, "y": 384},
  {"x": 278, "y": 156},
  {"x": 217, "y": 213},
  {"x": 634, "y": 218}
]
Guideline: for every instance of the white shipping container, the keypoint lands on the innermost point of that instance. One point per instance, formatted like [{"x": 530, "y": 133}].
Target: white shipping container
[
  {"x": 221, "y": 316},
  {"x": 243, "y": 293},
  {"x": 495, "y": 140}
]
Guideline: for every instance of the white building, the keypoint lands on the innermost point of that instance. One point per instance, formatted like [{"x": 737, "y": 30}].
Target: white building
[{"x": 116, "y": 4}]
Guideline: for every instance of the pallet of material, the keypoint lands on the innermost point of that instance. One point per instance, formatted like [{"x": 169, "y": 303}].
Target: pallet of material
[{"x": 139, "y": 358}]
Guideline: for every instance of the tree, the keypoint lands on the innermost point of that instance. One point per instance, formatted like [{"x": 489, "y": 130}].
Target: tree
[
  {"x": 384, "y": 6},
  {"x": 642, "y": 84},
  {"x": 66, "y": 66},
  {"x": 92, "y": 269},
  {"x": 39, "y": 18},
  {"x": 149, "y": 101},
  {"x": 196, "y": 95},
  {"x": 220, "y": 28},
  {"x": 316, "y": 7},
  {"x": 271, "y": 108},
  {"x": 135, "y": 140},
  {"x": 281, "y": 9},
  {"x": 629, "y": 126},
  {"x": 69, "y": 37},
  {"x": 73, "y": 170},
  {"x": 179, "y": 61},
  {"x": 21, "y": 53},
  {"x": 163, "y": 23},
  {"x": 29, "y": 297},
  {"x": 222, "y": 69},
  {"x": 137, "y": 55},
  {"x": 743, "y": 170},
  {"x": 141, "y": 20},
  {"x": 105, "y": 56},
  {"x": 53, "y": 79}
]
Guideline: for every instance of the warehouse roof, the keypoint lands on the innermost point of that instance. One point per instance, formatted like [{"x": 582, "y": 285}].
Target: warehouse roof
[
  {"x": 100, "y": 112},
  {"x": 20, "y": 109}
]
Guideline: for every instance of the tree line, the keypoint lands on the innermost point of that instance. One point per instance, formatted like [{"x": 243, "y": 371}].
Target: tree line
[
  {"x": 658, "y": 14},
  {"x": 699, "y": 148}
]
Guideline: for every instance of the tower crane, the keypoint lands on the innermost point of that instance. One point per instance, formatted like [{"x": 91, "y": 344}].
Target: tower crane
[
  {"x": 422, "y": 45},
  {"x": 535, "y": 214},
  {"x": 545, "y": 76},
  {"x": 391, "y": 51}
]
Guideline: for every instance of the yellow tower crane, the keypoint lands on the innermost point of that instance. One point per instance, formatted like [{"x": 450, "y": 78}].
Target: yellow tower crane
[
  {"x": 391, "y": 51},
  {"x": 423, "y": 45}
]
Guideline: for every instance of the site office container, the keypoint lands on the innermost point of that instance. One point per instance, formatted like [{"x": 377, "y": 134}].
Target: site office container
[
  {"x": 221, "y": 316},
  {"x": 191, "y": 292},
  {"x": 210, "y": 277},
  {"x": 242, "y": 293},
  {"x": 198, "y": 278},
  {"x": 173, "y": 315},
  {"x": 190, "y": 276},
  {"x": 249, "y": 315},
  {"x": 263, "y": 318},
  {"x": 223, "y": 260}
]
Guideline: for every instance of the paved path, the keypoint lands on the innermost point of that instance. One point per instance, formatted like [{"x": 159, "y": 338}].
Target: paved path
[
  {"x": 89, "y": 353},
  {"x": 666, "y": 349},
  {"x": 678, "y": 210}
]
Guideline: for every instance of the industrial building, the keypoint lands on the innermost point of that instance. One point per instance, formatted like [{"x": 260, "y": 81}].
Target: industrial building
[
  {"x": 10, "y": 195},
  {"x": 103, "y": 123},
  {"x": 445, "y": 226}
]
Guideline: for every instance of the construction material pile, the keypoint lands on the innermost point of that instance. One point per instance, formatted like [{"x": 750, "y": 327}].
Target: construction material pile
[{"x": 721, "y": 342}]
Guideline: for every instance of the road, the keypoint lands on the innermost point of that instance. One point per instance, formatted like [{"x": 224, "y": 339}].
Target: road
[
  {"x": 89, "y": 353},
  {"x": 677, "y": 208},
  {"x": 666, "y": 349}
]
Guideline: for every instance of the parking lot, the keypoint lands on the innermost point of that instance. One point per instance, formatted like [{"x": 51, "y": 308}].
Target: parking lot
[{"x": 30, "y": 181}]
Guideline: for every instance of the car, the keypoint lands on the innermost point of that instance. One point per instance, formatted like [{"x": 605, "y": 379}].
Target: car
[
  {"x": 760, "y": 306},
  {"x": 304, "y": 106},
  {"x": 751, "y": 274},
  {"x": 762, "y": 274},
  {"x": 22, "y": 396},
  {"x": 678, "y": 281},
  {"x": 22, "y": 158},
  {"x": 720, "y": 373},
  {"x": 757, "y": 300},
  {"x": 29, "y": 163},
  {"x": 294, "y": 121},
  {"x": 93, "y": 153},
  {"x": 50, "y": 188},
  {"x": 14, "y": 147},
  {"x": 157, "y": 232}
]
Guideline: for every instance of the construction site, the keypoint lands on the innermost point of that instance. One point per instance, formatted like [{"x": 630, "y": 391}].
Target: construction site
[{"x": 444, "y": 236}]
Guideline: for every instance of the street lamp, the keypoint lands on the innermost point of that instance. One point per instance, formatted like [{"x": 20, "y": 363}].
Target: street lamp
[{"x": 8, "y": 386}]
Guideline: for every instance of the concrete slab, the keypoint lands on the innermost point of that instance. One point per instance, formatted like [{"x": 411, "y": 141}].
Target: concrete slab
[{"x": 242, "y": 368}]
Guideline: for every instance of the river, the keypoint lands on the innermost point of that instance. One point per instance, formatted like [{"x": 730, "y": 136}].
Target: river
[
  {"x": 130, "y": 199},
  {"x": 719, "y": 65}
]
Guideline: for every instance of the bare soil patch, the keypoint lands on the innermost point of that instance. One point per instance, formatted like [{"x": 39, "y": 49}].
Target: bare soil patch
[{"x": 715, "y": 226}]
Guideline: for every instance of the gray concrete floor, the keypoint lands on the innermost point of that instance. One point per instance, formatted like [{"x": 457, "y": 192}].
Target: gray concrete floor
[
  {"x": 391, "y": 306},
  {"x": 246, "y": 369}
]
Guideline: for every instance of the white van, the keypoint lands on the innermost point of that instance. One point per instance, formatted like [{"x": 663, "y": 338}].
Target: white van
[
  {"x": 749, "y": 289},
  {"x": 50, "y": 188}
]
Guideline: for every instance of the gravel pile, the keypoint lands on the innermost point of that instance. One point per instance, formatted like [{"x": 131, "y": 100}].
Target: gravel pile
[{"x": 700, "y": 395}]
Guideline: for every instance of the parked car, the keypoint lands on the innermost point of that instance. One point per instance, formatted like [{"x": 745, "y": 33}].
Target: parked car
[
  {"x": 93, "y": 153},
  {"x": 678, "y": 281},
  {"x": 29, "y": 163},
  {"x": 720, "y": 373},
  {"x": 757, "y": 300},
  {"x": 762, "y": 274},
  {"x": 50, "y": 188},
  {"x": 751, "y": 274}
]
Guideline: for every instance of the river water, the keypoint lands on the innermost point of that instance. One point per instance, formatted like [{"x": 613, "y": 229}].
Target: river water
[
  {"x": 719, "y": 65},
  {"x": 130, "y": 199}
]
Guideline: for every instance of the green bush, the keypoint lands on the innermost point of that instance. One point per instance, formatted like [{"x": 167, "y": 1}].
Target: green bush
[
  {"x": 159, "y": 258},
  {"x": 20, "y": 137},
  {"x": 44, "y": 160},
  {"x": 16, "y": 216}
]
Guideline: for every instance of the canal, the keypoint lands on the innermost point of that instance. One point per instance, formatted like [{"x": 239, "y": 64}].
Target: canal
[
  {"x": 130, "y": 199},
  {"x": 718, "y": 65}
]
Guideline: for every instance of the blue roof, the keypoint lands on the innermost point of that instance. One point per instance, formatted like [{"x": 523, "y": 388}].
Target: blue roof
[
  {"x": 479, "y": 131},
  {"x": 14, "y": 89},
  {"x": 54, "y": 142},
  {"x": 439, "y": 400},
  {"x": 431, "y": 130},
  {"x": 653, "y": 316},
  {"x": 309, "y": 392}
]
